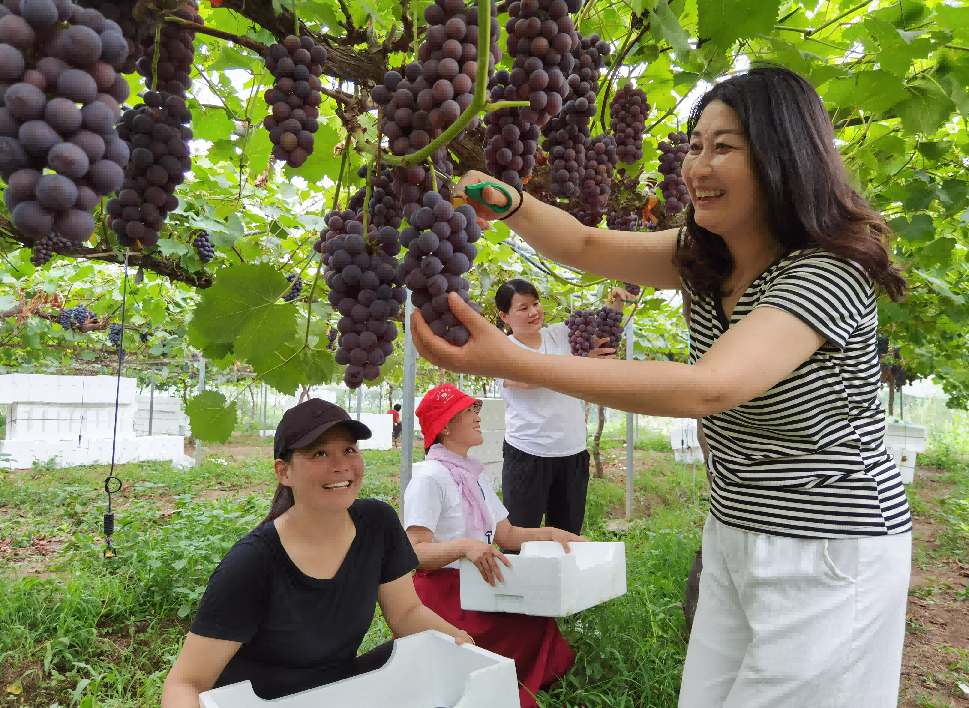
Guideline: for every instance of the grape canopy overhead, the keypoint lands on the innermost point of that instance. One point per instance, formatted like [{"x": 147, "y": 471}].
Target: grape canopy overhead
[{"x": 238, "y": 149}]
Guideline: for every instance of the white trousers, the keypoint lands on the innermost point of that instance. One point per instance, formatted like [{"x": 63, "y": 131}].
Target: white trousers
[{"x": 797, "y": 623}]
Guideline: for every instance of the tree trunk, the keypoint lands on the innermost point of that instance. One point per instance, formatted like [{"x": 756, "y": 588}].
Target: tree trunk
[
  {"x": 304, "y": 394},
  {"x": 595, "y": 444},
  {"x": 891, "y": 399},
  {"x": 440, "y": 376}
]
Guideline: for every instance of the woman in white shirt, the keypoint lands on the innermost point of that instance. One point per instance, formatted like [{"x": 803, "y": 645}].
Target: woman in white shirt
[
  {"x": 546, "y": 463},
  {"x": 451, "y": 512}
]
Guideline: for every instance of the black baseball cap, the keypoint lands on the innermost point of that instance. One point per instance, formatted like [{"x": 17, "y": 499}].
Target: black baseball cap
[{"x": 304, "y": 423}]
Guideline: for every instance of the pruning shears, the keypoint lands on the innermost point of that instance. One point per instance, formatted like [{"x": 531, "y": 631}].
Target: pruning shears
[{"x": 475, "y": 192}]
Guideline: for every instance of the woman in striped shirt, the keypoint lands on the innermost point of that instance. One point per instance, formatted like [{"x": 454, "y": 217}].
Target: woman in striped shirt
[{"x": 807, "y": 549}]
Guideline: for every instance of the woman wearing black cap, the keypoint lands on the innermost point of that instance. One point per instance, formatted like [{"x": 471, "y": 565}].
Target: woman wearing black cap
[{"x": 289, "y": 605}]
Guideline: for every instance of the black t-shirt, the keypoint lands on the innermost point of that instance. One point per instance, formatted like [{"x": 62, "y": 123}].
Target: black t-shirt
[{"x": 299, "y": 632}]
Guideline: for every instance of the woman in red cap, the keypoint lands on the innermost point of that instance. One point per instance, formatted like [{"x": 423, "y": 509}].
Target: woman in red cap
[
  {"x": 289, "y": 605},
  {"x": 451, "y": 512}
]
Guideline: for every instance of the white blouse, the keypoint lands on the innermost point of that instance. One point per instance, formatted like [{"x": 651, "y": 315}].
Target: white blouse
[{"x": 433, "y": 500}]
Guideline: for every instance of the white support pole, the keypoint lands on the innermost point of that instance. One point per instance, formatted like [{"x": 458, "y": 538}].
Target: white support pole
[
  {"x": 629, "y": 432},
  {"x": 461, "y": 381},
  {"x": 198, "y": 443},
  {"x": 265, "y": 405},
  {"x": 407, "y": 412},
  {"x": 359, "y": 400},
  {"x": 151, "y": 404}
]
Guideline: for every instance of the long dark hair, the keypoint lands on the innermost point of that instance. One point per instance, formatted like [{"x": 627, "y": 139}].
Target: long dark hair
[
  {"x": 810, "y": 203},
  {"x": 283, "y": 499},
  {"x": 506, "y": 293}
]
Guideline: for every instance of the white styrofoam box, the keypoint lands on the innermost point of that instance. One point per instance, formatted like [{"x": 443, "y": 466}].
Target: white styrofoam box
[
  {"x": 166, "y": 415},
  {"x": 911, "y": 437},
  {"x": 904, "y": 441},
  {"x": 382, "y": 427},
  {"x": 544, "y": 581},
  {"x": 426, "y": 670},
  {"x": 905, "y": 461},
  {"x": 684, "y": 440},
  {"x": 104, "y": 389},
  {"x": 94, "y": 451},
  {"x": 491, "y": 452}
]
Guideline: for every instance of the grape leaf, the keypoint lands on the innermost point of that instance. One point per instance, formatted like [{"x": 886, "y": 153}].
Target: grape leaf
[
  {"x": 210, "y": 419},
  {"x": 875, "y": 91},
  {"x": 726, "y": 21},
  {"x": 241, "y": 295},
  {"x": 169, "y": 246},
  {"x": 937, "y": 252},
  {"x": 918, "y": 228},
  {"x": 665, "y": 25}
]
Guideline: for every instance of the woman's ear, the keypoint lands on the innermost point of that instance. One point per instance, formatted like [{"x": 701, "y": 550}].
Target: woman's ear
[
  {"x": 283, "y": 470},
  {"x": 503, "y": 316}
]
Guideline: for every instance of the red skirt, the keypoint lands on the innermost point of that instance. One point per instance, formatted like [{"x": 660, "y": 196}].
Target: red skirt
[{"x": 541, "y": 654}]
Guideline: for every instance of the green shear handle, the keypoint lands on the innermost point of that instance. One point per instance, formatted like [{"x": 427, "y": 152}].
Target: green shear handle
[{"x": 474, "y": 191}]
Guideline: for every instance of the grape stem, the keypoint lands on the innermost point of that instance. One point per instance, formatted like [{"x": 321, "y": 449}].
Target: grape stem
[
  {"x": 433, "y": 175},
  {"x": 366, "y": 201},
  {"x": 309, "y": 310},
  {"x": 154, "y": 61},
  {"x": 498, "y": 105},
  {"x": 617, "y": 63},
  {"x": 343, "y": 166}
]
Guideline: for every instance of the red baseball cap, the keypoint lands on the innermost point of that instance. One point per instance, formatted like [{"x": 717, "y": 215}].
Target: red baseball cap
[{"x": 436, "y": 409}]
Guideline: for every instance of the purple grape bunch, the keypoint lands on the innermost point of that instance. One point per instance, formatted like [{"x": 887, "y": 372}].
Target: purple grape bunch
[
  {"x": 628, "y": 111},
  {"x": 440, "y": 249},
  {"x": 361, "y": 271},
  {"x": 585, "y": 326},
  {"x": 671, "y": 167}
]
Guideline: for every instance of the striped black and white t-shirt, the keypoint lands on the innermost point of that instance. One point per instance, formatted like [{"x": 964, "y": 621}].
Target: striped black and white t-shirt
[{"x": 806, "y": 459}]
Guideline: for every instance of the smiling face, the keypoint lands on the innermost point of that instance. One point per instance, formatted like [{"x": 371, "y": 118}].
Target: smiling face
[
  {"x": 326, "y": 475},
  {"x": 464, "y": 429},
  {"x": 525, "y": 315},
  {"x": 720, "y": 174}
]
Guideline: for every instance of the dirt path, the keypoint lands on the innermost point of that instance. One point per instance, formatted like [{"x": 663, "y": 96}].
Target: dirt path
[{"x": 935, "y": 663}]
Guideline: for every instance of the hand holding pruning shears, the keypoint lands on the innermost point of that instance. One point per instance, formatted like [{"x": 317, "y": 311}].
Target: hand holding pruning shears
[{"x": 489, "y": 197}]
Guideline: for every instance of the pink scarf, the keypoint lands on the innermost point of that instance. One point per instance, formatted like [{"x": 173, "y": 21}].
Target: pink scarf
[{"x": 465, "y": 472}]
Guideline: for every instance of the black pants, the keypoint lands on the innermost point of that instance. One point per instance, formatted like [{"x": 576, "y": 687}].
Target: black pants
[{"x": 553, "y": 487}]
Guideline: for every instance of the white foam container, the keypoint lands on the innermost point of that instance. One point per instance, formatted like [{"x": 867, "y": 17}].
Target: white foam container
[
  {"x": 544, "y": 581},
  {"x": 904, "y": 441},
  {"x": 426, "y": 670}
]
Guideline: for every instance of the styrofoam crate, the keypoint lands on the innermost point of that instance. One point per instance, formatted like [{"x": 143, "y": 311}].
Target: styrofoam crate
[
  {"x": 492, "y": 414},
  {"x": 905, "y": 462},
  {"x": 544, "y": 581},
  {"x": 426, "y": 670}
]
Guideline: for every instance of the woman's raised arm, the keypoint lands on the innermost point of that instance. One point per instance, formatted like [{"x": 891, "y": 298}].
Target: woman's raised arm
[
  {"x": 752, "y": 357},
  {"x": 644, "y": 259}
]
